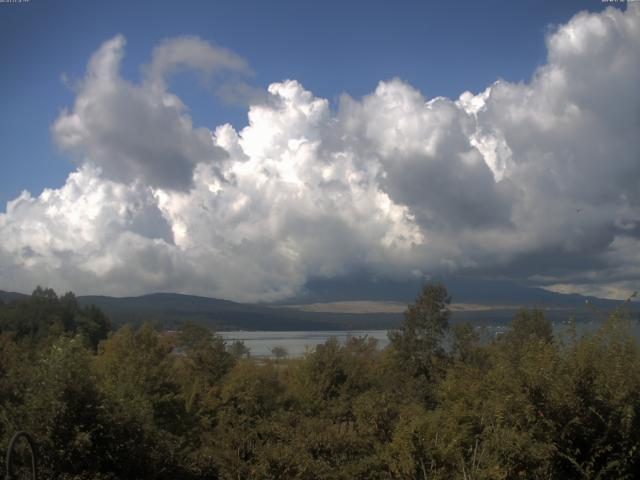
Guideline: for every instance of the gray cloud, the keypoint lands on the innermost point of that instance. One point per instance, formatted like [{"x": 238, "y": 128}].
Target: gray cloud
[
  {"x": 428, "y": 162},
  {"x": 141, "y": 132}
]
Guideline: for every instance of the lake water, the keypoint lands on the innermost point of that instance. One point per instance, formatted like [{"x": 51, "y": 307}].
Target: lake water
[
  {"x": 260, "y": 343},
  {"x": 296, "y": 344}
]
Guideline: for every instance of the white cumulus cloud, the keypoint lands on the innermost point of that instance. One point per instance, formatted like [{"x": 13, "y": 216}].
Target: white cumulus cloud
[{"x": 536, "y": 181}]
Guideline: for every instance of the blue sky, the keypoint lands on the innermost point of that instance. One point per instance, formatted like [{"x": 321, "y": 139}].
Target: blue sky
[
  {"x": 399, "y": 141},
  {"x": 441, "y": 48}
]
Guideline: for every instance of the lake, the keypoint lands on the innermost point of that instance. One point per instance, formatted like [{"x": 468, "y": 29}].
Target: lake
[
  {"x": 260, "y": 343},
  {"x": 296, "y": 344}
]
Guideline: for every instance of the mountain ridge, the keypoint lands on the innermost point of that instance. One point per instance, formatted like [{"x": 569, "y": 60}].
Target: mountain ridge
[{"x": 501, "y": 301}]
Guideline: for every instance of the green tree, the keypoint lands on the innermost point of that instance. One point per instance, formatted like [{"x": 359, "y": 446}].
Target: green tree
[
  {"x": 44, "y": 316},
  {"x": 279, "y": 352},
  {"x": 417, "y": 345},
  {"x": 250, "y": 396},
  {"x": 62, "y": 408},
  {"x": 526, "y": 327},
  {"x": 239, "y": 350},
  {"x": 136, "y": 374},
  {"x": 205, "y": 363},
  {"x": 465, "y": 344}
]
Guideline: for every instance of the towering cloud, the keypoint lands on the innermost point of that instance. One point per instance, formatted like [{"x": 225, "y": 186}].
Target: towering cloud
[
  {"x": 141, "y": 132},
  {"x": 536, "y": 181}
]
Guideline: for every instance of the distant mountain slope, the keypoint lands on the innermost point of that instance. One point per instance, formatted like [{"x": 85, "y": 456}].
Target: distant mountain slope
[
  {"x": 500, "y": 300},
  {"x": 171, "y": 309},
  {"x": 8, "y": 296},
  {"x": 463, "y": 290}
]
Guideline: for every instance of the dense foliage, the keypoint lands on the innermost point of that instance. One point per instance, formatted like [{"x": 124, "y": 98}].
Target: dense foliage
[{"x": 437, "y": 403}]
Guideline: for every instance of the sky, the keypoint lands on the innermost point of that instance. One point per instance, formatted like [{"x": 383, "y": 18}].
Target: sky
[{"x": 240, "y": 149}]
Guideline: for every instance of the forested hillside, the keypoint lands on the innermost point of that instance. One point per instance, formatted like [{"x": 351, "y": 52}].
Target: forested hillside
[
  {"x": 169, "y": 310},
  {"x": 483, "y": 302},
  {"x": 141, "y": 403}
]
